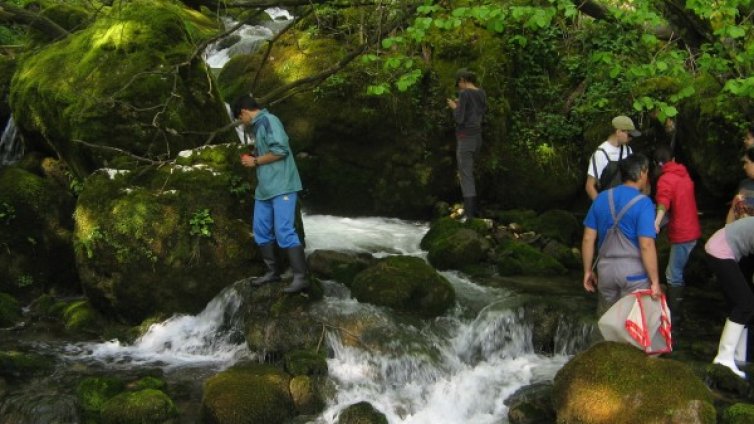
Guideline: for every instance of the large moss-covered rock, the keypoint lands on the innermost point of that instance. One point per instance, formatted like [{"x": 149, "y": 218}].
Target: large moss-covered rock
[
  {"x": 339, "y": 266},
  {"x": 277, "y": 323},
  {"x": 405, "y": 283},
  {"x": 531, "y": 405},
  {"x": 93, "y": 392},
  {"x": 35, "y": 234},
  {"x": 125, "y": 81},
  {"x": 559, "y": 225},
  {"x": 460, "y": 249},
  {"x": 165, "y": 239},
  {"x": 247, "y": 393},
  {"x": 143, "y": 406},
  {"x": 305, "y": 395},
  {"x": 361, "y": 413},
  {"x": 616, "y": 383},
  {"x": 740, "y": 413},
  {"x": 518, "y": 258},
  {"x": 22, "y": 365}
]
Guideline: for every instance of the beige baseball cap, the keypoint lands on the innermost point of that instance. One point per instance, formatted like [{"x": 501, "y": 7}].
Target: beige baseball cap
[{"x": 625, "y": 123}]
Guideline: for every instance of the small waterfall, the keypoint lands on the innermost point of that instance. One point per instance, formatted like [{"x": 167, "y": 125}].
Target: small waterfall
[
  {"x": 248, "y": 38},
  {"x": 11, "y": 147},
  {"x": 214, "y": 336}
]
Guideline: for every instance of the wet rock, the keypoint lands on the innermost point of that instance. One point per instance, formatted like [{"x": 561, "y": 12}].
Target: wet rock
[
  {"x": 305, "y": 362},
  {"x": 361, "y": 413},
  {"x": 458, "y": 250},
  {"x": 305, "y": 396},
  {"x": 249, "y": 393},
  {"x": 517, "y": 258},
  {"x": 168, "y": 239},
  {"x": 93, "y": 392},
  {"x": 143, "y": 406},
  {"x": 10, "y": 311},
  {"x": 557, "y": 224},
  {"x": 404, "y": 283},
  {"x": 19, "y": 365},
  {"x": 724, "y": 379},
  {"x": 339, "y": 266},
  {"x": 39, "y": 408},
  {"x": 616, "y": 383},
  {"x": 531, "y": 405},
  {"x": 740, "y": 413}
]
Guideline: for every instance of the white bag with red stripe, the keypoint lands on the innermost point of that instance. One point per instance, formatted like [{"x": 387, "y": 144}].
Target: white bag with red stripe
[{"x": 639, "y": 320}]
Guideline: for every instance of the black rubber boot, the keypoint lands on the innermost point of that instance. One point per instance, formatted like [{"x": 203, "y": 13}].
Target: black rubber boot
[
  {"x": 268, "y": 256},
  {"x": 469, "y": 207},
  {"x": 298, "y": 265}
]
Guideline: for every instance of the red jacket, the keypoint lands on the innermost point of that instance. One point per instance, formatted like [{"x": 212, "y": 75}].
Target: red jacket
[{"x": 675, "y": 191}]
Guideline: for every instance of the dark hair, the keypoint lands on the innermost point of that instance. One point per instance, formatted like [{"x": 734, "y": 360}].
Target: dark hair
[
  {"x": 632, "y": 166},
  {"x": 750, "y": 128},
  {"x": 466, "y": 75},
  {"x": 663, "y": 154},
  {"x": 245, "y": 101},
  {"x": 749, "y": 153}
]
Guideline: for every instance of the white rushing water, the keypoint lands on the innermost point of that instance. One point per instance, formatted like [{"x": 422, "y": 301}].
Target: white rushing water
[
  {"x": 457, "y": 368},
  {"x": 11, "y": 147}
]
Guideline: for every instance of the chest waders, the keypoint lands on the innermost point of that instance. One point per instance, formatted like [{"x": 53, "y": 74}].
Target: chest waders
[{"x": 620, "y": 270}]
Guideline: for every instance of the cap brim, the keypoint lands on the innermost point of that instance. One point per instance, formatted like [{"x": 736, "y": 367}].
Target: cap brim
[{"x": 635, "y": 133}]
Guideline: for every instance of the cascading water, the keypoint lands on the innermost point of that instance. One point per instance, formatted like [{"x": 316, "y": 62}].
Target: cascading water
[
  {"x": 11, "y": 147},
  {"x": 457, "y": 368}
]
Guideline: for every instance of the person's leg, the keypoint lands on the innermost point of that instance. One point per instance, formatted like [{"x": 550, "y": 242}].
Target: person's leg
[
  {"x": 285, "y": 212},
  {"x": 264, "y": 237},
  {"x": 736, "y": 288},
  {"x": 679, "y": 256},
  {"x": 465, "y": 153}
]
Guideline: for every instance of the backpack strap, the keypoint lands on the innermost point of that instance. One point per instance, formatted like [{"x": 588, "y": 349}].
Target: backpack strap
[{"x": 594, "y": 163}]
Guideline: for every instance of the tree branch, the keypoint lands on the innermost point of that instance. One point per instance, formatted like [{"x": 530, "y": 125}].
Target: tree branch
[{"x": 11, "y": 13}]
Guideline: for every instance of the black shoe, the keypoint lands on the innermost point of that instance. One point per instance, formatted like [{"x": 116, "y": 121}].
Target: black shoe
[{"x": 298, "y": 264}]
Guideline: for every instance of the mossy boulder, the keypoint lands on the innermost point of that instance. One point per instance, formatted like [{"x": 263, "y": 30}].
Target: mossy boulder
[
  {"x": 404, "y": 283},
  {"x": 305, "y": 396},
  {"x": 278, "y": 323},
  {"x": 167, "y": 239},
  {"x": 305, "y": 362},
  {"x": 616, "y": 383},
  {"x": 126, "y": 81},
  {"x": 559, "y": 225},
  {"x": 339, "y": 266},
  {"x": 22, "y": 365},
  {"x": 35, "y": 235},
  {"x": 460, "y": 249},
  {"x": 531, "y": 405},
  {"x": 143, "y": 406},
  {"x": 361, "y": 413},
  {"x": 93, "y": 392},
  {"x": 247, "y": 393},
  {"x": 80, "y": 317},
  {"x": 514, "y": 257},
  {"x": 442, "y": 228},
  {"x": 10, "y": 311},
  {"x": 740, "y": 413}
]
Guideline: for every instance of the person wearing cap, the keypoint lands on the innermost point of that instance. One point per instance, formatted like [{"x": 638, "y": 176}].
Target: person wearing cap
[
  {"x": 468, "y": 111},
  {"x": 608, "y": 154},
  {"x": 621, "y": 221},
  {"x": 275, "y": 197}
]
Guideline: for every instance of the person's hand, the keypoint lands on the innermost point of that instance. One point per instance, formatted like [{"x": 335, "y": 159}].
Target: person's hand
[
  {"x": 656, "y": 290},
  {"x": 452, "y": 103},
  {"x": 657, "y": 227},
  {"x": 590, "y": 282},
  {"x": 247, "y": 160}
]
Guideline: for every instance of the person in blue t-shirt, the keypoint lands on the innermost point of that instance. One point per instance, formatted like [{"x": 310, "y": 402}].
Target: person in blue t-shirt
[
  {"x": 627, "y": 259},
  {"x": 275, "y": 197}
]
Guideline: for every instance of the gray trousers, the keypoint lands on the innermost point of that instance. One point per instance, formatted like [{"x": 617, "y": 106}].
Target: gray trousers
[{"x": 467, "y": 150}]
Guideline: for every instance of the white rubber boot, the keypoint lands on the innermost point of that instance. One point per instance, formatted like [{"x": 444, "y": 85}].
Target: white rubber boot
[
  {"x": 740, "y": 355},
  {"x": 728, "y": 343}
]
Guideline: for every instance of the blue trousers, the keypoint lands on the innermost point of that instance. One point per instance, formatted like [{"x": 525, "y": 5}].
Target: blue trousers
[
  {"x": 679, "y": 256},
  {"x": 274, "y": 220}
]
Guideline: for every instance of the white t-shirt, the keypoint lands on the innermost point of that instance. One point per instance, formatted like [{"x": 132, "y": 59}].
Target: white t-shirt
[{"x": 598, "y": 158}]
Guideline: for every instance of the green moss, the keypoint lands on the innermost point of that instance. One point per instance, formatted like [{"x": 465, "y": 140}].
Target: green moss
[
  {"x": 515, "y": 257},
  {"x": 143, "y": 406},
  {"x": 361, "y": 413},
  {"x": 93, "y": 392},
  {"x": 740, "y": 413},
  {"x": 149, "y": 382},
  {"x": 404, "y": 283},
  {"x": 10, "y": 311},
  {"x": 79, "y": 316},
  {"x": 19, "y": 365},
  {"x": 557, "y": 224},
  {"x": 617, "y": 383},
  {"x": 258, "y": 393},
  {"x": 305, "y": 396},
  {"x": 523, "y": 217},
  {"x": 305, "y": 362},
  {"x": 444, "y": 227},
  {"x": 458, "y": 250}
]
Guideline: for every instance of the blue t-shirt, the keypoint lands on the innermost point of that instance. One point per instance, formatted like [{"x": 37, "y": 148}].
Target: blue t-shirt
[{"x": 639, "y": 221}]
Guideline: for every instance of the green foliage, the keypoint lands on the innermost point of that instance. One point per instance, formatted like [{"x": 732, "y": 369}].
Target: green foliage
[
  {"x": 25, "y": 280},
  {"x": 239, "y": 186},
  {"x": 201, "y": 223},
  {"x": 7, "y": 213}
]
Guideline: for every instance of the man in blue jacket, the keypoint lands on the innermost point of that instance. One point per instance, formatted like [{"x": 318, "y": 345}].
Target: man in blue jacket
[{"x": 278, "y": 184}]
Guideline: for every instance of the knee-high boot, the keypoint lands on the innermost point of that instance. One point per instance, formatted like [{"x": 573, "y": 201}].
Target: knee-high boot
[
  {"x": 469, "y": 207},
  {"x": 298, "y": 264},
  {"x": 728, "y": 343},
  {"x": 268, "y": 256}
]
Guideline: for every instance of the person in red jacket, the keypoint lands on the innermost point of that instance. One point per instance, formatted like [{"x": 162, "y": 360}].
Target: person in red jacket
[{"x": 676, "y": 201}]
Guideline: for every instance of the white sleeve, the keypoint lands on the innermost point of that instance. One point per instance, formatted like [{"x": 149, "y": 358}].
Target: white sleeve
[{"x": 598, "y": 158}]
